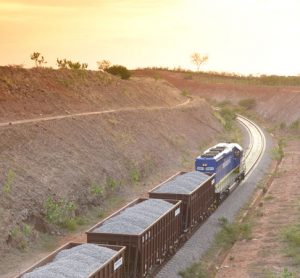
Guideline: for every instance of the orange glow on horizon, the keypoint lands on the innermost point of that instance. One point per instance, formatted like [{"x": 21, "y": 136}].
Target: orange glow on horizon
[{"x": 250, "y": 36}]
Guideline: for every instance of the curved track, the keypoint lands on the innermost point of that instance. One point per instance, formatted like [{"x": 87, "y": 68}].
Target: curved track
[
  {"x": 256, "y": 146},
  {"x": 200, "y": 241}
]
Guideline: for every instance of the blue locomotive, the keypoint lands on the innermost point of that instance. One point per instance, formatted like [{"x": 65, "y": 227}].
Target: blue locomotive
[{"x": 225, "y": 160}]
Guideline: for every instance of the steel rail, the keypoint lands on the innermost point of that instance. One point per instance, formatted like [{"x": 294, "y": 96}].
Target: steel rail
[
  {"x": 256, "y": 146},
  {"x": 252, "y": 157}
]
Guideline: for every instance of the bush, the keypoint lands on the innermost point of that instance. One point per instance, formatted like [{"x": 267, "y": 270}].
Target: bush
[
  {"x": 9, "y": 181},
  {"x": 231, "y": 232},
  {"x": 68, "y": 64},
  {"x": 185, "y": 93},
  {"x": 121, "y": 71},
  {"x": 277, "y": 153},
  {"x": 112, "y": 184},
  {"x": 97, "y": 190},
  {"x": 248, "y": 103},
  {"x": 59, "y": 212},
  {"x": 295, "y": 125},
  {"x": 228, "y": 116},
  {"x": 20, "y": 236},
  {"x": 134, "y": 173},
  {"x": 196, "y": 270},
  {"x": 291, "y": 235}
]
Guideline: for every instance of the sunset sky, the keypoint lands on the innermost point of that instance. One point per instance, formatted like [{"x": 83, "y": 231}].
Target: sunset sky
[{"x": 248, "y": 36}]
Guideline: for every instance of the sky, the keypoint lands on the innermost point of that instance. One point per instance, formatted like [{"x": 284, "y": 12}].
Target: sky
[{"x": 245, "y": 37}]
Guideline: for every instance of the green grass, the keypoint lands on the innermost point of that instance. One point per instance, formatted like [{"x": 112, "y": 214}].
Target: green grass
[
  {"x": 9, "y": 181},
  {"x": 97, "y": 190},
  {"x": 267, "y": 273},
  {"x": 232, "y": 78},
  {"x": 248, "y": 103},
  {"x": 277, "y": 152},
  {"x": 185, "y": 93},
  {"x": 134, "y": 174},
  {"x": 294, "y": 126},
  {"x": 232, "y": 232},
  {"x": 291, "y": 236},
  {"x": 20, "y": 236},
  {"x": 60, "y": 212},
  {"x": 112, "y": 184},
  {"x": 227, "y": 117},
  {"x": 196, "y": 270},
  {"x": 224, "y": 239},
  {"x": 269, "y": 197}
]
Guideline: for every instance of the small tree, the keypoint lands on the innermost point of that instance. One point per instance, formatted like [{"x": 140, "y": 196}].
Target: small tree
[
  {"x": 198, "y": 60},
  {"x": 103, "y": 65},
  {"x": 38, "y": 59}
]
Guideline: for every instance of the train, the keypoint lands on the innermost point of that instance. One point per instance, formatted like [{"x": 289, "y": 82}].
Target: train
[{"x": 147, "y": 231}]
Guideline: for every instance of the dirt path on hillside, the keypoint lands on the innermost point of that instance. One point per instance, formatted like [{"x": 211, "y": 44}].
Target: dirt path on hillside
[
  {"x": 84, "y": 114},
  {"x": 264, "y": 255}
]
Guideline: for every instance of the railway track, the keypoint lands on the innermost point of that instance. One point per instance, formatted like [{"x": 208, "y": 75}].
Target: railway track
[
  {"x": 193, "y": 249},
  {"x": 256, "y": 146}
]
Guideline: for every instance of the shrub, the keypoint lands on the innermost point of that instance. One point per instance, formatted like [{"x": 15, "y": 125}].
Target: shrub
[
  {"x": 118, "y": 70},
  {"x": 68, "y": 64},
  {"x": 231, "y": 232},
  {"x": 224, "y": 103},
  {"x": 9, "y": 180},
  {"x": 229, "y": 116},
  {"x": 196, "y": 270},
  {"x": 277, "y": 153},
  {"x": 295, "y": 125},
  {"x": 97, "y": 190},
  {"x": 59, "y": 212},
  {"x": 134, "y": 173},
  {"x": 20, "y": 236},
  {"x": 248, "y": 103},
  {"x": 185, "y": 93},
  {"x": 112, "y": 184},
  {"x": 291, "y": 235}
]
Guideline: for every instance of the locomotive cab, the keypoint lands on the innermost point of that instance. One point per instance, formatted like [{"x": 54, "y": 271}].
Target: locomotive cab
[{"x": 225, "y": 160}]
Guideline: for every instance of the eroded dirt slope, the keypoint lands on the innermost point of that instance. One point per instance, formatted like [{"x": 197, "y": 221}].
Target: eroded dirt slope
[
  {"x": 29, "y": 93},
  {"x": 65, "y": 158},
  {"x": 276, "y": 103}
]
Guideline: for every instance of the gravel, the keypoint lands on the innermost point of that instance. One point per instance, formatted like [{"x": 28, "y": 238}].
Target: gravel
[
  {"x": 135, "y": 219},
  {"x": 76, "y": 262},
  {"x": 183, "y": 184},
  {"x": 199, "y": 243}
]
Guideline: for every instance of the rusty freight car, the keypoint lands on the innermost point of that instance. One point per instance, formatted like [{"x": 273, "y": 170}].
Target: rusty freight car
[
  {"x": 149, "y": 228},
  {"x": 196, "y": 190},
  {"x": 107, "y": 262}
]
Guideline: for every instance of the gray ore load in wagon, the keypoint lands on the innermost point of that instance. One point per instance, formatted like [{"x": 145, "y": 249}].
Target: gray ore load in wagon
[
  {"x": 196, "y": 190},
  {"x": 78, "y": 262},
  {"x": 134, "y": 220}
]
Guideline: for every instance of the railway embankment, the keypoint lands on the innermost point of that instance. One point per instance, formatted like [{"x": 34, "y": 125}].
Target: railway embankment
[
  {"x": 66, "y": 174},
  {"x": 273, "y": 250}
]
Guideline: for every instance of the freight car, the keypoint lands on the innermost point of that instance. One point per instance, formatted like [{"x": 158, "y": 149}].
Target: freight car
[
  {"x": 195, "y": 190},
  {"x": 225, "y": 161},
  {"x": 149, "y": 228},
  {"x": 152, "y": 229},
  {"x": 80, "y": 260}
]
